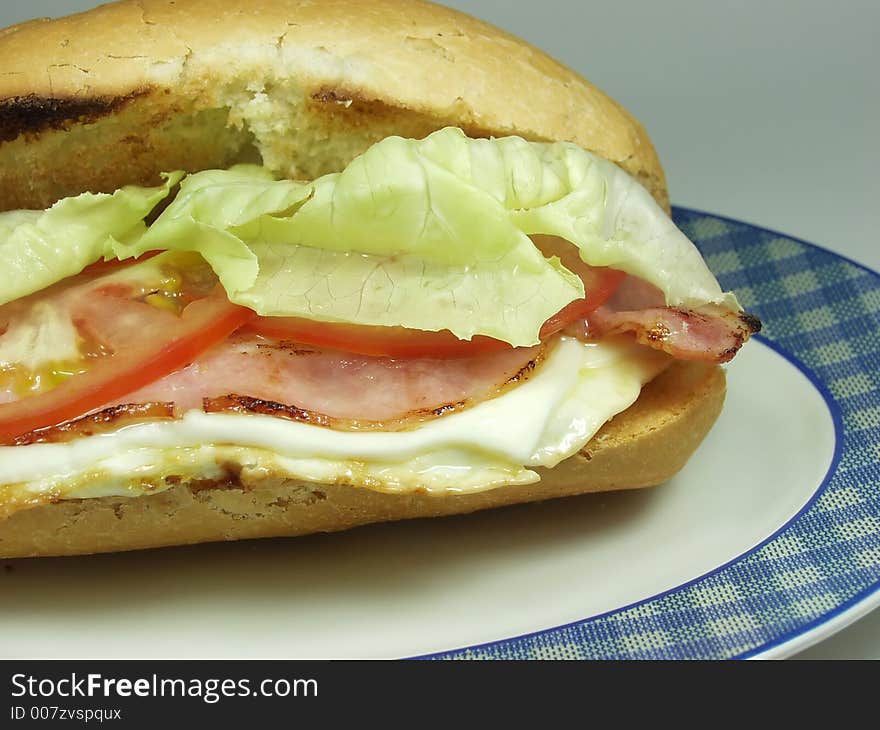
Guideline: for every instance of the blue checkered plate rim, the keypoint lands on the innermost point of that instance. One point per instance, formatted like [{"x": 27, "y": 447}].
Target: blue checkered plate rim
[{"x": 821, "y": 312}]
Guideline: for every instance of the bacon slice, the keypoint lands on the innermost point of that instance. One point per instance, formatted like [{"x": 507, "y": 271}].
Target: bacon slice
[
  {"x": 249, "y": 373},
  {"x": 708, "y": 334},
  {"x": 108, "y": 419}
]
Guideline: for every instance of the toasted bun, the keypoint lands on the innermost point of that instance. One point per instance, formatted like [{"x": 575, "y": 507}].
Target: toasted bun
[
  {"x": 119, "y": 94},
  {"x": 643, "y": 446}
]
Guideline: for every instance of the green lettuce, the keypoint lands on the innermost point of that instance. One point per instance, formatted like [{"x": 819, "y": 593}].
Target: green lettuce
[
  {"x": 206, "y": 213},
  {"x": 429, "y": 234},
  {"x": 41, "y": 247}
]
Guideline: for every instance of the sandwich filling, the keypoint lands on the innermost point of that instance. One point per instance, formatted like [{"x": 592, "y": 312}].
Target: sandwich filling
[{"x": 442, "y": 315}]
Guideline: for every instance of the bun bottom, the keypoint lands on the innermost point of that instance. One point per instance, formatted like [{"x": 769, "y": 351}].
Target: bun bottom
[{"x": 643, "y": 446}]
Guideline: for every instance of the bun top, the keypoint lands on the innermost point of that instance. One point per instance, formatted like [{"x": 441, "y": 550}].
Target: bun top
[{"x": 120, "y": 93}]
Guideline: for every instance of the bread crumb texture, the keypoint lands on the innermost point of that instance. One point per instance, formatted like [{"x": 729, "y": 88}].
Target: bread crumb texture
[{"x": 123, "y": 92}]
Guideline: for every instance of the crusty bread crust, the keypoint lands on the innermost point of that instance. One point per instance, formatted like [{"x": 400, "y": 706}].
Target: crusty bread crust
[
  {"x": 643, "y": 446},
  {"x": 120, "y": 93}
]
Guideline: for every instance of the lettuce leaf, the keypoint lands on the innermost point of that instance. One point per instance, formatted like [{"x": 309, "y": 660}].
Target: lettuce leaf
[
  {"x": 429, "y": 234},
  {"x": 41, "y": 247},
  {"x": 409, "y": 291},
  {"x": 560, "y": 189},
  {"x": 205, "y": 214},
  {"x": 400, "y": 253}
]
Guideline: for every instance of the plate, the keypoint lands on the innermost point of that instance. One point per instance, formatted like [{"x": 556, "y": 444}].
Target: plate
[{"x": 767, "y": 541}]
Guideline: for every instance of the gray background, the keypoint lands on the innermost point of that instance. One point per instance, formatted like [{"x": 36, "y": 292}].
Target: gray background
[{"x": 762, "y": 110}]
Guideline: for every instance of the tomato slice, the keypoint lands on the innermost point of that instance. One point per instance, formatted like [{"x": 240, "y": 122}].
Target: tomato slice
[
  {"x": 136, "y": 323},
  {"x": 401, "y": 342},
  {"x": 131, "y": 339}
]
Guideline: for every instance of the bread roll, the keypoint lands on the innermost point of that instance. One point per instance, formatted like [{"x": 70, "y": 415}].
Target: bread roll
[{"x": 116, "y": 95}]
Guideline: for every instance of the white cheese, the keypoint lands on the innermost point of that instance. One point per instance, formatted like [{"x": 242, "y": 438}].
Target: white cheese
[{"x": 538, "y": 423}]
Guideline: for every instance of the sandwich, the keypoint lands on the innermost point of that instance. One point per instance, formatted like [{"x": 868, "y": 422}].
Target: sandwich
[{"x": 279, "y": 267}]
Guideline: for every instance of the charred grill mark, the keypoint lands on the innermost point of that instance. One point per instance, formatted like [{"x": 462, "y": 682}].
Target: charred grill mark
[
  {"x": 327, "y": 95},
  {"x": 247, "y": 404},
  {"x": 751, "y": 323},
  {"x": 33, "y": 114},
  {"x": 445, "y": 408},
  {"x": 522, "y": 374},
  {"x": 337, "y": 104},
  {"x": 727, "y": 355},
  {"x": 238, "y": 403},
  {"x": 94, "y": 423},
  {"x": 234, "y": 403},
  {"x": 525, "y": 372},
  {"x": 738, "y": 340},
  {"x": 288, "y": 346}
]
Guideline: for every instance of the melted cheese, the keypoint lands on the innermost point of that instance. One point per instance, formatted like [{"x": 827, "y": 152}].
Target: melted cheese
[{"x": 539, "y": 423}]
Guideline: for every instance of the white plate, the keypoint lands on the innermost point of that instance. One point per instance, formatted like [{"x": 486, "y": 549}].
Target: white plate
[{"x": 767, "y": 534}]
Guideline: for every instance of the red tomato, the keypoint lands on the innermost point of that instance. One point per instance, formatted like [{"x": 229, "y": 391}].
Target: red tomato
[
  {"x": 135, "y": 328},
  {"x": 130, "y": 339},
  {"x": 400, "y": 342}
]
